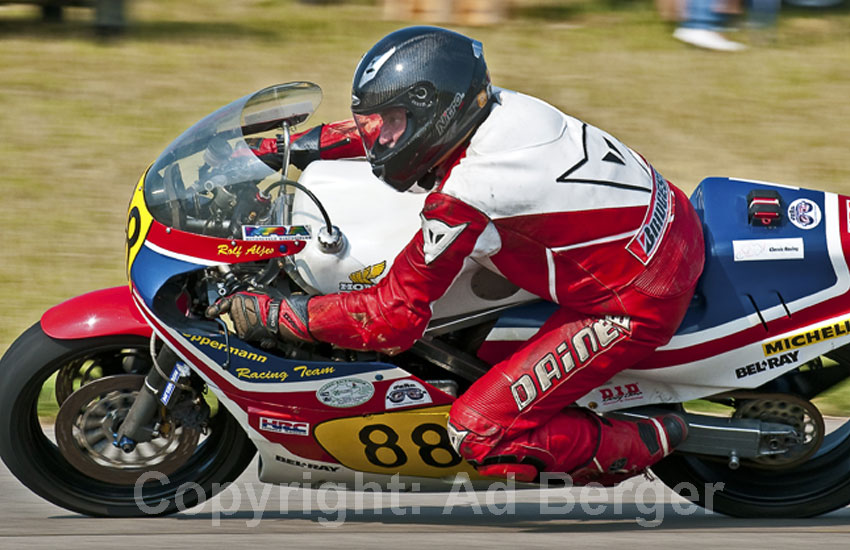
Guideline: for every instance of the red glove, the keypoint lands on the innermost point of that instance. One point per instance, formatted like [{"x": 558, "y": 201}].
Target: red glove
[
  {"x": 326, "y": 141},
  {"x": 259, "y": 317}
]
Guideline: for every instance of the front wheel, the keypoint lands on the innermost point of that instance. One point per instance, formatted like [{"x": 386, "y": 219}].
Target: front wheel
[{"x": 36, "y": 364}]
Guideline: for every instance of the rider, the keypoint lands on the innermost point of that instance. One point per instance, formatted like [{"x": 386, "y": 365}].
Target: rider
[{"x": 553, "y": 204}]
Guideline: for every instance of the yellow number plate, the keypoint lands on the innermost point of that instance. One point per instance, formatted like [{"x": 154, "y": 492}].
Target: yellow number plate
[
  {"x": 138, "y": 222},
  {"x": 412, "y": 442}
]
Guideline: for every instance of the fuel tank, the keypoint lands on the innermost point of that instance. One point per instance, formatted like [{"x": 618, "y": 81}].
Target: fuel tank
[{"x": 377, "y": 222}]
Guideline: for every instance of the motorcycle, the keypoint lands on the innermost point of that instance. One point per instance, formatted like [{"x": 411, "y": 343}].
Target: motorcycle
[{"x": 145, "y": 383}]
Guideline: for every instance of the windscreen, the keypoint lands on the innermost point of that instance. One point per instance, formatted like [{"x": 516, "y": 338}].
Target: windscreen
[{"x": 223, "y": 173}]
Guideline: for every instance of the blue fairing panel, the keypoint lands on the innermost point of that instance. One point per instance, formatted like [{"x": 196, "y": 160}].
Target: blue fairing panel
[
  {"x": 730, "y": 289},
  {"x": 527, "y": 316},
  {"x": 151, "y": 270}
]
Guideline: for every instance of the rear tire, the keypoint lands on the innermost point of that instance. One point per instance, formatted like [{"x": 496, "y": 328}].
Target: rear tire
[
  {"x": 817, "y": 486},
  {"x": 37, "y": 462}
]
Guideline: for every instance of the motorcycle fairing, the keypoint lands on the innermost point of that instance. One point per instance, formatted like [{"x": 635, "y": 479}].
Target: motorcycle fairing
[
  {"x": 309, "y": 435},
  {"x": 779, "y": 304}
]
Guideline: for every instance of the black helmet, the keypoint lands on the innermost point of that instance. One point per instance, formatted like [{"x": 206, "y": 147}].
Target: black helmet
[{"x": 417, "y": 94}]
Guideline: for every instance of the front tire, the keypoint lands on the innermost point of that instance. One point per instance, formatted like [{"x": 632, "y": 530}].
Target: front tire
[{"x": 37, "y": 462}]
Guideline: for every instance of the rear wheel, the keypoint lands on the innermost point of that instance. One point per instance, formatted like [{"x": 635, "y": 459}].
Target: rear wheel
[
  {"x": 111, "y": 365},
  {"x": 804, "y": 486}
]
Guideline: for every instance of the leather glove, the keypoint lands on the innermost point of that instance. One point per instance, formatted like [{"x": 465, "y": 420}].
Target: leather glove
[{"x": 260, "y": 317}]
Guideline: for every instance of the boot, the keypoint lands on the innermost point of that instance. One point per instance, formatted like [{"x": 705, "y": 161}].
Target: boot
[{"x": 628, "y": 448}]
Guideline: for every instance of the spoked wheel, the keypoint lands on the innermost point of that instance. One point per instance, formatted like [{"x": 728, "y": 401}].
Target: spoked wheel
[
  {"x": 812, "y": 478},
  {"x": 84, "y": 472},
  {"x": 88, "y": 421}
]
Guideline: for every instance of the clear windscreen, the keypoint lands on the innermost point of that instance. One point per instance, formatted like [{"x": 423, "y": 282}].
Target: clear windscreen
[{"x": 223, "y": 173}]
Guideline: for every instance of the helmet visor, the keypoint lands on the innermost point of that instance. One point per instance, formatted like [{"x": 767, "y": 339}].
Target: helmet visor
[{"x": 383, "y": 131}]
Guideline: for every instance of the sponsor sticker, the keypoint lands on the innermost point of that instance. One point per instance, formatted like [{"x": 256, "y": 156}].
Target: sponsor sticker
[
  {"x": 406, "y": 393},
  {"x": 804, "y": 213},
  {"x": 767, "y": 364},
  {"x": 238, "y": 251},
  {"x": 276, "y": 232},
  {"x": 307, "y": 465},
  {"x": 752, "y": 250},
  {"x": 618, "y": 394},
  {"x": 803, "y": 339},
  {"x": 279, "y": 426},
  {"x": 205, "y": 341},
  {"x": 169, "y": 388},
  {"x": 346, "y": 392}
]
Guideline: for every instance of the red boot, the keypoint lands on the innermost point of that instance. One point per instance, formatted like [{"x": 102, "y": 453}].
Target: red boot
[
  {"x": 575, "y": 441},
  {"x": 627, "y": 448}
]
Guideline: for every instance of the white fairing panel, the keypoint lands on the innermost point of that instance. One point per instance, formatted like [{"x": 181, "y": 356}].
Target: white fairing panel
[{"x": 377, "y": 222}]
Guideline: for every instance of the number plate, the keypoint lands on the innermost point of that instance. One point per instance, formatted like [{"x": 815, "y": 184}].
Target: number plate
[
  {"x": 138, "y": 223},
  {"x": 413, "y": 443}
]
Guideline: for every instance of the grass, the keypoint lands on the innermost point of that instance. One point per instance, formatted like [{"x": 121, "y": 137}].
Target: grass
[
  {"x": 48, "y": 408},
  {"x": 81, "y": 118}
]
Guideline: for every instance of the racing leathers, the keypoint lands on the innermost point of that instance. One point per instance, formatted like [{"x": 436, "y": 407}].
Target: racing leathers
[{"x": 566, "y": 211}]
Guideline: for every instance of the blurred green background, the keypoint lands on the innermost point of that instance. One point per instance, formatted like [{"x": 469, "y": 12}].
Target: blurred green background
[{"x": 81, "y": 118}]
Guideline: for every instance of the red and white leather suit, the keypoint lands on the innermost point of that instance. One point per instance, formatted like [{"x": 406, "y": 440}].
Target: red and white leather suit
[{"x": 567, "y": 212}]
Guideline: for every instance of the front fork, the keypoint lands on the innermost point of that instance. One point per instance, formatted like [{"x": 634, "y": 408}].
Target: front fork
[{"x": 158, "y": 390}]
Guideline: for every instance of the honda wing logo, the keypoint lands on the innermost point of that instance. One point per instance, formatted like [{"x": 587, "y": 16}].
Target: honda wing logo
[
  {"x": 363, "y": 278},
  {"x": 367, "y": 275}
]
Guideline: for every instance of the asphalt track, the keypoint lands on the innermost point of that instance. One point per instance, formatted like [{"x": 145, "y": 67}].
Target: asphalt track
[{"x": 253, "y": 515}]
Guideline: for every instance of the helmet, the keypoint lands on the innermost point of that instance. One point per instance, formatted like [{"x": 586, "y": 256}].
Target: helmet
[{"x": 418, "y": 94}]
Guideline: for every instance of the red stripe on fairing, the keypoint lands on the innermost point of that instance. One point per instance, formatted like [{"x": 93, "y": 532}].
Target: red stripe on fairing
[
  {"x": 559, "y": 229},
  {"x": 213, "y": 249},
  {"x": 833, "y": 308}
]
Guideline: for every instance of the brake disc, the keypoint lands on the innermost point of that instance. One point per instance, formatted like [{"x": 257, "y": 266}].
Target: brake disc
[
  {"x": 82, "y": 371},
  {"x": 85, "y": 432},
  {"x": 784, "y": 451}
]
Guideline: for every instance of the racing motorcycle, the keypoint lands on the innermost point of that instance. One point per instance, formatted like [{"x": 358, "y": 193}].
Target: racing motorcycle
[{"x": 145, "y": 383}]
